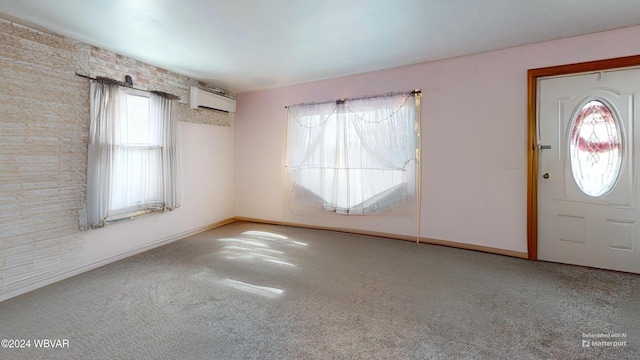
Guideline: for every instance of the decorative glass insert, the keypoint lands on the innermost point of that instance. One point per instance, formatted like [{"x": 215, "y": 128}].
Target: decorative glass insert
[{"x": 595, "y": 148}]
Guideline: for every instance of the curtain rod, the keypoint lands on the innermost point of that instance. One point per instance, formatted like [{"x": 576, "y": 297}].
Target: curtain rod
[
  {"x": 120, "y": 83},
  {"x": 339, "y": 101}
]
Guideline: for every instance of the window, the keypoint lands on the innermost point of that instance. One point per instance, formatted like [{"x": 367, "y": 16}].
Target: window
[
  {"x": 594, "y": 148},
  {"x": 132, "y": 166},
  {"x": 137, "y": 159},
  {"x": 355, "y": 156}
]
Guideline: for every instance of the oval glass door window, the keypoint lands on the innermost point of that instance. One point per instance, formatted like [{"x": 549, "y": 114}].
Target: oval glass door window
[{"x": 595, "y": 148}]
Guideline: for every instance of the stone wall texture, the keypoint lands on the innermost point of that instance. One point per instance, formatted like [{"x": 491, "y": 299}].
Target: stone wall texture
[{"x": 44, "y": 122}]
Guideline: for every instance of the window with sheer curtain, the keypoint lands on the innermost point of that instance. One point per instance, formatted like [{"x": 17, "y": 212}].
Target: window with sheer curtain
[
  {"x": 355, "y": 156},
  {"x": 133, "y": 162}
]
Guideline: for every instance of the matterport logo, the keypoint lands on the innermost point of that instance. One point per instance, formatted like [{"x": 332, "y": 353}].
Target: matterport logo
[{"x": 604, "y": 340}]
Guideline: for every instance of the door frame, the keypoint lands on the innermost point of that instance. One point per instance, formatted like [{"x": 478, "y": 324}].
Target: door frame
[{"x": 532, "y": 114}]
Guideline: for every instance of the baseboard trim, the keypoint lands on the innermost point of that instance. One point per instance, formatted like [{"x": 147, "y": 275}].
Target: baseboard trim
[
  {"x": 481, "y": 248},
  {"x": 453, "y": 244},
  {"x": 259, "y": 221},
  {"x": 96, "y": 264}
]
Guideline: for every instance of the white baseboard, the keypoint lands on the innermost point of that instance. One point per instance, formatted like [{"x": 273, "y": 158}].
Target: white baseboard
[{"x": 96, "y": 264}]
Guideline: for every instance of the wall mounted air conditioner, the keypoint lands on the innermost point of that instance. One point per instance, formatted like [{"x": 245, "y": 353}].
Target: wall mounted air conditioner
[{"x": 205, "y": 99}]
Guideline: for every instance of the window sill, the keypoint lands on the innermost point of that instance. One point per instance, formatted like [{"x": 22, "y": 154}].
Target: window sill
[{"x": 128, "y": 216}]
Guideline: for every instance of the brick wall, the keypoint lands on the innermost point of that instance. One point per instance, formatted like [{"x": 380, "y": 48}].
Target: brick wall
[
  {"x": 105, "y": 63},
  {"x": 44, "y": 121}
]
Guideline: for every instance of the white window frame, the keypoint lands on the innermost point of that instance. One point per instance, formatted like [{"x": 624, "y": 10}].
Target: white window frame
[{"x": 107, "y": 200}]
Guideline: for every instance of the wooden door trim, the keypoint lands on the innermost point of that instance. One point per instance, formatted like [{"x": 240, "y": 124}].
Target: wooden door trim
[{"x": 532, "y": 152}]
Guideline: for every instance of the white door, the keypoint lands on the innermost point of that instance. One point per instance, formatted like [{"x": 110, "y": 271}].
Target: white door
[{"x": 587, "y": 170}]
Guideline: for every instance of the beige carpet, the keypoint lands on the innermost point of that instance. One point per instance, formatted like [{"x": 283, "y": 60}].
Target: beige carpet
[{"x": 255, "y": 291}]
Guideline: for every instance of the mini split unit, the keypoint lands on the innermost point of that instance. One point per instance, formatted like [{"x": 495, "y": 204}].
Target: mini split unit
[{"x": 207, "y": 100}]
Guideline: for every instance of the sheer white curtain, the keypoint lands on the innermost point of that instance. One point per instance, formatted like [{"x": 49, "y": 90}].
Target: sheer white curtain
[
  {"x": 104, "y": 107},
  {"x": 165, "y": 109},
  {"x": 355, "y": 156},
  {"x": 133, "y": 161},
  {"x": 136, "y": 177}
]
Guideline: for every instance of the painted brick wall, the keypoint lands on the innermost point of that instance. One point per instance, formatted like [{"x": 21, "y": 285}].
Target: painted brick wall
[
  {"x": 105, "y": 63},
  {"x": 44, "y": 120}
]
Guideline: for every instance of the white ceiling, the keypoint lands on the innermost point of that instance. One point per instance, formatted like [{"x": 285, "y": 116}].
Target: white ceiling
[{"x": 247, "y": 45}]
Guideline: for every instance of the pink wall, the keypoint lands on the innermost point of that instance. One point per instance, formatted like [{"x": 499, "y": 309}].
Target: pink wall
[{"x": 474, "y": 129}]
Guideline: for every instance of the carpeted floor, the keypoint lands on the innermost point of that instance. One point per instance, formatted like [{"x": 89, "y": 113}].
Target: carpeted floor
[{"x": 255, "y": 291}]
